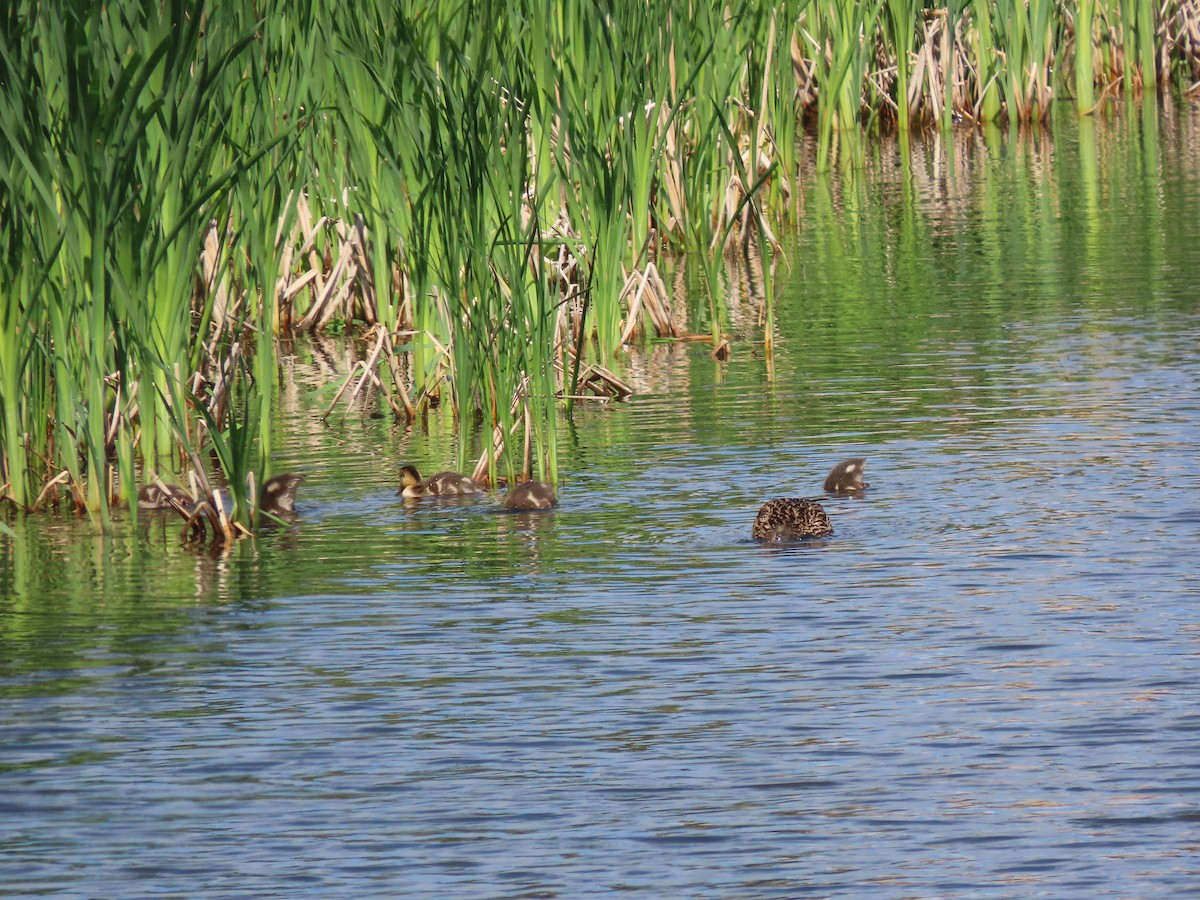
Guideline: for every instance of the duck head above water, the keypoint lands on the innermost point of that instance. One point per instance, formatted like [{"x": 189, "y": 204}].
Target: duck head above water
[{"x": 158, "y": 495}]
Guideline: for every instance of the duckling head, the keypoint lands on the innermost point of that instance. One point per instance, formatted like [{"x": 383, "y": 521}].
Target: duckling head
[{"x": 411, "y": 484}]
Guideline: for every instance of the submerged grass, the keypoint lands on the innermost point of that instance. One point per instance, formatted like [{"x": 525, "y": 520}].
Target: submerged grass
[{"x": 489, "y": 187}]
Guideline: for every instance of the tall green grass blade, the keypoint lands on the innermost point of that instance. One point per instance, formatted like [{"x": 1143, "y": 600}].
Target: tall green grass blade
[{"x": 1085, "y": 75}]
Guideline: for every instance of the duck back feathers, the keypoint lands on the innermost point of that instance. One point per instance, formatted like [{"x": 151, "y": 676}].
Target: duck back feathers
[
  {"x": 441, "y": 484},
  {"x": 789, "y": 519},
  {"x": 530, "y": 495},
  {"x": 278, "y": 494}
]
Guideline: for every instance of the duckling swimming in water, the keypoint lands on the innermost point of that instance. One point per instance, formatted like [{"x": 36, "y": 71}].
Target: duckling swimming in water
[
  {"x": 847, "y": 477},
  {"x": 158, "y": 495},
  {"x": 442, "y": 484},
  {"x": 530, "y": 495},
  {"x": 278, "y": 494},
  {"x": 277, "y": 497},
  {"x": 789, "y": 519}
]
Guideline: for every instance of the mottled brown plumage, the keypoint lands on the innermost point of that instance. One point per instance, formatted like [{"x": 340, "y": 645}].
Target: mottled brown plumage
[
  {"x": 530, "y": 495},
  {"x": 789, "y": 519},
  {"x": 847, "y": 477},
  {"x": 442, "y": 484}
]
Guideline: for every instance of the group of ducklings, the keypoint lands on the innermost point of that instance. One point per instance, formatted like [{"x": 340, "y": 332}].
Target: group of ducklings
[
  {"x": 277, "y": 497},
  {"x": 526, "y": 496},
  {"x": 278, "y": 494},
  {"x": 784, "y": 519}
]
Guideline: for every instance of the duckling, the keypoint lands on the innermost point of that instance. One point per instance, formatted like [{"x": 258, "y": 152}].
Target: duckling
[
  {"x": 847, "y": 477},
  {"x": 530, "y": 495},
  {"x": 158, "y": 495},
  {"x": 278, "y": 494},
  {"x": 789, "y": 519},
  {"x": 276, "y": 498},
  {"x": 443, "y": 484}
]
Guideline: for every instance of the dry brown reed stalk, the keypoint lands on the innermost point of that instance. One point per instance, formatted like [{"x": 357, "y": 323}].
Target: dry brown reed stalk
[
  {"x": 644, "y": 288},
  {"x": 671, "y": 174},
  {"x": 1181, "y": 39},
  {"x": 338, "y": 284},
  {"x": 480, "y": 475},
  {"x": 603, "y": 384},
  {"x": 366, "y": 280},
  {"x": 383, "y": 347},
  {"x": 393, "y": 361},
  {"x": 220, "y": 386},
  {"x": 214, "y": 282},
  {"x": 302, "y": 244},
  {"x": 805, "y": 71},
  {"x": 63, "y": 477}
]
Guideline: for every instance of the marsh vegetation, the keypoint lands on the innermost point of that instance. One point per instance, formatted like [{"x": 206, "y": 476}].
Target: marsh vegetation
[{"x": 490, "y": 210}]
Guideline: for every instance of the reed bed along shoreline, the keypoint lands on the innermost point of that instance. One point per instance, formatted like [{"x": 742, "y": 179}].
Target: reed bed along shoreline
[{"x": 487, "y": 207}]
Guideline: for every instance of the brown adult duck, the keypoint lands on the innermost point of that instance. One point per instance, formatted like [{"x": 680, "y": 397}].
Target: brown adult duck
[
  {"x": 794, "y": 518},
  {"x": 790, "y": 519},
  {"x": 529, "y": 495},
  {"x": 443, "y": 484}
]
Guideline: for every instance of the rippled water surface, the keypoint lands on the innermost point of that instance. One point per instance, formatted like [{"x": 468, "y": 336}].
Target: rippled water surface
[{"x": 986, "y": 683}]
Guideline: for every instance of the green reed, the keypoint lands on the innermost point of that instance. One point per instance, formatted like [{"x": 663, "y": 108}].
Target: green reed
[
  {"x": 1085, "y": 74},
  {"x": 900, "y": 33},
  {"x": 117, "y": 127}
]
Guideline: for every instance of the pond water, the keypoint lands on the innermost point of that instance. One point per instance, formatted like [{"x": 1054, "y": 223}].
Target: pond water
[{"x": 985, "y": 683}]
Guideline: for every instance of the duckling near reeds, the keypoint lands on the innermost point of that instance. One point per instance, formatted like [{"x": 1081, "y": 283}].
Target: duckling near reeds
[
  {"x": 158, "y": 495},
  {"x": 530, "y": 495},
  {"x": 443, "y": 484},
  {"x": 277, "y": 497},
  {"x": 847, "y": 477},
  {"x": 790, "y": 519},
  {"x": 278, "y": 494}
]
